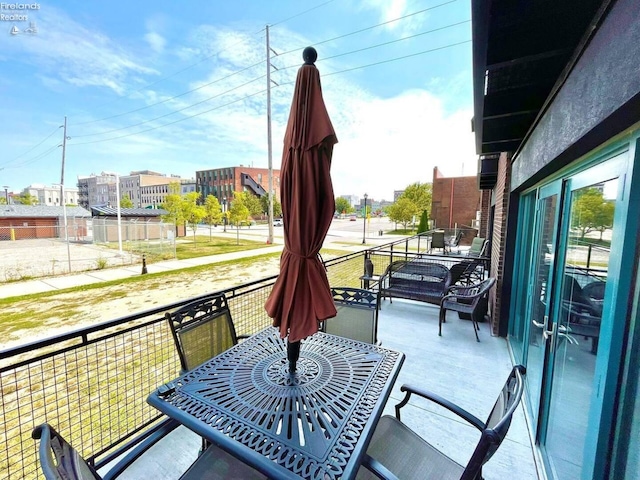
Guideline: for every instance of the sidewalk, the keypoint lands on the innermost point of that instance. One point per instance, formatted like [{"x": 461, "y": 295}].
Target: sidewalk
[
  {"x": 49, "y": 284},
  {"x": 336, "y": 240}
]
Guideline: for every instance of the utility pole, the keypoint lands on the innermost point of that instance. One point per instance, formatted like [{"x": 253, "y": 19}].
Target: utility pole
[
  {"x": 64, "y": 204},
  {"x": 269, "y": 148}
]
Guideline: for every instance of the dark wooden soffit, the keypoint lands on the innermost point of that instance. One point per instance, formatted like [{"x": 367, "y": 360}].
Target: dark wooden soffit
[{"x": 520, "y": 50}]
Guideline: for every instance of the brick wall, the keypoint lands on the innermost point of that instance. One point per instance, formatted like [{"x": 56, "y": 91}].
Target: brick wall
[
  {"x": 260, "y": 175},
  {"x": 498, "y": 236},
  {"x": 455, "y": 200}
]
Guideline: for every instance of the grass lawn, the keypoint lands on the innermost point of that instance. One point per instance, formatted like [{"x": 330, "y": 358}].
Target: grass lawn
[
  {"x": 203, "y": 246},
  {"x": 188, "y": 247}
]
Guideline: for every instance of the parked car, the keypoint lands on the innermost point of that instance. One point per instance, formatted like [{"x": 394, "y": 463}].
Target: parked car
[
  {"x": 352, "y": 218},
  {"x": 277, "y": 222}
]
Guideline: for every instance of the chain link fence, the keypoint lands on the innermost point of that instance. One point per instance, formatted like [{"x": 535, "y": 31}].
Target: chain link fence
[{"x": 89, "y": 244}]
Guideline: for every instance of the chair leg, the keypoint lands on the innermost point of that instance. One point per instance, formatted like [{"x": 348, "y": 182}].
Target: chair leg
[
  {"x": 441, "y": 319},
  {"x": 476, "y": 327}
]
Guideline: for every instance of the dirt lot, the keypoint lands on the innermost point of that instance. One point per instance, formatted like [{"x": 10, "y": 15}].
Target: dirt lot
[
  {"x": 68, "y": 311},
  {"x": 46, "y": 257}
]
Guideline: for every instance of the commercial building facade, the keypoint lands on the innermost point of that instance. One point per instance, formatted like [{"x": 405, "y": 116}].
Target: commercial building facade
[{"x": 223, "y": 182}]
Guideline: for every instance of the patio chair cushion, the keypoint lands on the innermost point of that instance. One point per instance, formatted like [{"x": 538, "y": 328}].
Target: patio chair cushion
[{"x": 407, "y": 455}]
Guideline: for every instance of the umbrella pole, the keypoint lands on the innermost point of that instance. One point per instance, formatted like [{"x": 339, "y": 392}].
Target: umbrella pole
[{"x": 293, "y": 352}]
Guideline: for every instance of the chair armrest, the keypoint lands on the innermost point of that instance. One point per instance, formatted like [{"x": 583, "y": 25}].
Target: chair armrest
[
  {"x": 410, "y": 389},
  {"x": 377, "y": 468}
]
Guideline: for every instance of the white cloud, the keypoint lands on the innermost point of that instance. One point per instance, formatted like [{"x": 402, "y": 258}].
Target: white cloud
[
  {"x": 76, "y": 54},
  {"x": 391, "y": 11},
  {"x": 384, "y": 144},
  {"x": 155, "y": 41}
]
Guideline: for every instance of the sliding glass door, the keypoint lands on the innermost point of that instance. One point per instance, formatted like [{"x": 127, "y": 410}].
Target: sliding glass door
[{"x": 563, "y": 300}]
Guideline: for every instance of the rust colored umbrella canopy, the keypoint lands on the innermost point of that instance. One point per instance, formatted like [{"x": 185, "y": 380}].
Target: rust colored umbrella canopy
[{"x": 301, "y": 296}]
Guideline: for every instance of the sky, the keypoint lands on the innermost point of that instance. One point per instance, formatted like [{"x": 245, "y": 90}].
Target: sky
[{"x": 176, "y": 87}]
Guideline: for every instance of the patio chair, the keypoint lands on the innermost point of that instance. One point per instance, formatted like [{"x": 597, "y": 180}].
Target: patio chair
[
  {"x": 582, "y": 313},
  {"x": 478, "y": 247},
  {"x": 396, "y": 451},
  {"x": 595, "y": 291},
  {"x": 202, "y": 329},
  {"x": 59, "y": 460},
  {"x": 467, "y": 272},
  {"x": 465, "y": 300},
  {"x": 357, "y": 316},
  {"x": 437, "y": 241},
  {"x": 453, "y": 242}
]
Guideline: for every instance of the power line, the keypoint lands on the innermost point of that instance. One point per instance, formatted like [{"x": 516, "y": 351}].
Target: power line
[
  {"x": 384, "y": 43},
  {"x": 398, "y": 58},
  {"x": 172, "y": 112},
  {"x": 389, "y": 60},
  {"x": 301, "y": 13},
  {"x": 372, "y": 27},
  {"x": 32, "y": 148},
  {"x": 173, "y": 74},
  {"x": 262, "y": 91},
  {"x": 172, "y": 123},
  {"x": 170, "y": 98},
  {"x": 41, "y": 155},
  {"x": 257, "y": 63}
]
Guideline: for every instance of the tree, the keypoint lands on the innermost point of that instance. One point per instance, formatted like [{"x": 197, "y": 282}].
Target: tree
[
  {"x": 212, "y": 212},
  {"x": 420, "y": 194},
  {"x": 277, "y": 208},
  {"x": 25, "y": 198},
  {"x": 591, "y": 212},
  {"x": 3, "y": 201},
  {"x": 402, "y": 211},
  {"x": 192, "y": 212},
  {"x": 343, "y": 205},
  {"x": 253, "y": 204},
  {"x": 125, "y": 201},
  {"x": 173, "y": 205},
  {"x": 423, "y": 225},
  {"x": 238, "y": 212},
  {"x": 604, "y": 218}
]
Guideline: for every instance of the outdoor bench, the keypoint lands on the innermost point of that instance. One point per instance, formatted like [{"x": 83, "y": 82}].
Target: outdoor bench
[{"x": 415, "y": 280}]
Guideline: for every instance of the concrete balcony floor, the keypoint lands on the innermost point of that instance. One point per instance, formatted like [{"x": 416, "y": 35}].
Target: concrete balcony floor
[{"x": 455, "y": 366}]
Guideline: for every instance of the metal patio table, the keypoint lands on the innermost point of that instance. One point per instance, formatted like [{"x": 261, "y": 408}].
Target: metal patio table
[{"x": 315, "y": 423}]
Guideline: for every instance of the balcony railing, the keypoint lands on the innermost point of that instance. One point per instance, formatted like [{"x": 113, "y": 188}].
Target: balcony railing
[{"x": 92, "y": 383}]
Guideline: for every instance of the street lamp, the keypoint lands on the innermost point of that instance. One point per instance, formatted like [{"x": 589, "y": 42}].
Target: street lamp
[
  {"x": 364, "y": 225},
  {"x": 6, "y": 193},
  {"x": 224, "y": 213}
]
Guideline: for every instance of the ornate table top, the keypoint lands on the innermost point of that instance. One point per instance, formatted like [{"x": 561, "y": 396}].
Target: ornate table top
[{"x": 313, "y": 424}]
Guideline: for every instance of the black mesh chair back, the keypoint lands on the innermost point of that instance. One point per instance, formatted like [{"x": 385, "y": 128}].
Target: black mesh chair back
[
  {"x": 498, "y": 423},
  {"x": 397, "y": 451},
  {"x": 357, "y": 316},
  {"x": 202, "y": 329},
  {"x": 58, "y": 459}
]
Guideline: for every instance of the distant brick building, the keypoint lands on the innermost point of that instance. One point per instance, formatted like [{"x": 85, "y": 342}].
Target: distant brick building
[
  {"x": 455, "y": 201},
  {"x": 223, "y": 182}
]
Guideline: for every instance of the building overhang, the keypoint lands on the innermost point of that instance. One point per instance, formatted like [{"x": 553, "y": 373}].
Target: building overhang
[{"x": 522, "y": 51}]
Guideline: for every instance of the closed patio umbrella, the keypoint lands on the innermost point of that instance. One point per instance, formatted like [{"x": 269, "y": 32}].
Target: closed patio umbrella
[{"x": 301, "y": 296}]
